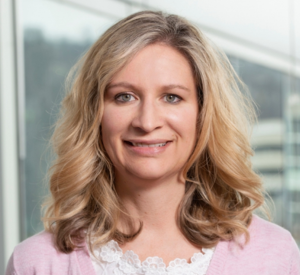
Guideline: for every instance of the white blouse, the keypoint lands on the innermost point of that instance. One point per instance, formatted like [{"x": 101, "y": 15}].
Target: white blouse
[{"x": 109, "y": 259}]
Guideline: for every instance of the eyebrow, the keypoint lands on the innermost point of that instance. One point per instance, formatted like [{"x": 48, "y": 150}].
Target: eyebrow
[{"x": 132, "y": 87}]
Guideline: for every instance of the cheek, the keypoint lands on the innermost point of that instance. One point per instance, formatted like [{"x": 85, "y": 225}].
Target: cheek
[
  {"x": 113, "y": 124},
  {"x": 110, "y": 119},
  {"x": 185, "y": 123},
  {"x": 108, "y": 127}
]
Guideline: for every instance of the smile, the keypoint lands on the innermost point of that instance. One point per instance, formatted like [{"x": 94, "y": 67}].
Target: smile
[{"x": 148, "y": 145}]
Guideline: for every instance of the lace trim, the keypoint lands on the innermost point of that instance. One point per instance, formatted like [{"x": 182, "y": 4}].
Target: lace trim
[{"x": 129, "y": 262}]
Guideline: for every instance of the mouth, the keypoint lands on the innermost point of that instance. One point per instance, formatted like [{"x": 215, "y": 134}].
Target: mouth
[
  {"x": 147, "y": 143},
  {"x": 147, "y": 148}
]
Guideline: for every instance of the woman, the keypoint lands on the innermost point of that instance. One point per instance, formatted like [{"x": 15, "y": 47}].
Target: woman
[{"x": 153, "y": 160}]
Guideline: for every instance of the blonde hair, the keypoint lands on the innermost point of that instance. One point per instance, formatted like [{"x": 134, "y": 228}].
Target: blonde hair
[{"x": 222, "y": 190}]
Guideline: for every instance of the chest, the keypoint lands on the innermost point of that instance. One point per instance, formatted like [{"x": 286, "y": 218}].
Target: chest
[{"x": 110, "y": 259}]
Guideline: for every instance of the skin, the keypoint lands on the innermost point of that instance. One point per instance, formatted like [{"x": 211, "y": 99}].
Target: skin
[{"x": 152, "y": 100}]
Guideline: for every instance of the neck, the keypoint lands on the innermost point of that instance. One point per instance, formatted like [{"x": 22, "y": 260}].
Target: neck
[{"x": 153, "y": 203}]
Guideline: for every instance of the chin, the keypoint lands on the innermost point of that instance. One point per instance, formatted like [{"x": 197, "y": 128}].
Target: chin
[{"x": 148, "y": 173}]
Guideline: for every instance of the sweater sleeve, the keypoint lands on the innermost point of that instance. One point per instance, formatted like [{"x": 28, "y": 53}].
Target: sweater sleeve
[
  {"x": 295, "y": 259},
  {"x": 10, "y": 269},
  {"x": 38, "y": 255}
]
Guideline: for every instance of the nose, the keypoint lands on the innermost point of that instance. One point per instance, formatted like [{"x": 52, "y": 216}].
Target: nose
[{"x": 148, "y": 116}]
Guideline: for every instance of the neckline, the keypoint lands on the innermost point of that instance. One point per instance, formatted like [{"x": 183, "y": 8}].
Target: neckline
[
  {"x": 216, "y": 266},
  {"x": 129, "y": 260}
]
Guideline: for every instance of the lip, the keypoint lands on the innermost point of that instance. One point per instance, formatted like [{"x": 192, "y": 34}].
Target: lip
[
  {"x": 148, "y": 141},
  {"x": 147, "y": 151}
]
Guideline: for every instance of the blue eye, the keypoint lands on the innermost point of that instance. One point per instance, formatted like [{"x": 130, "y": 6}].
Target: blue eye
[
  {"x": 172, "y": 98},
  {"x": 124, "y": 97}
]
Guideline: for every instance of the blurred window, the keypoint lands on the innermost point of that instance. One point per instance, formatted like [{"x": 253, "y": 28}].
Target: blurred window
[{"x": 56, "y": 35}]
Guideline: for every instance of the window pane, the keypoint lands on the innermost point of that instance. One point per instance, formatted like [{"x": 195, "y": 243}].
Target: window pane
[{"x": 50, "y": 51}]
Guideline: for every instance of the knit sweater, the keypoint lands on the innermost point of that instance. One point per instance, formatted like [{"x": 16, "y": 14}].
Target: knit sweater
[{"x": 271, "y": 250}]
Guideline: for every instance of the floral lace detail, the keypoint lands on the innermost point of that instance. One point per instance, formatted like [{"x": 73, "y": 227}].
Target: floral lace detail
[
  {"x": 129, "y": 263},
  {"x": 111, "y": 260},
  {"x": 178, "y": 265},
  {"x": 111, "y": 252},
  {"x": 153, "y": 265}
]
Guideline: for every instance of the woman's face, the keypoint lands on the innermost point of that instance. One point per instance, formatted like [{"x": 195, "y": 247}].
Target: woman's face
[{"x": 150, "y": 114}]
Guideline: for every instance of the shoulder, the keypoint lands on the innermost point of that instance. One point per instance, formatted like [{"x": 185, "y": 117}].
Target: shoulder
[
  {"x": 37, "y": 244},
  {"x": 269, "y": 236},
  {"x": 265, "y": 231},
  {"x": 33, "y": 254},
  {"x": 270, "y": 248},
  {"x": 273, "y": 240},
  {"x": 36, "y": 248},
  {"x": 38, "y": 255}
]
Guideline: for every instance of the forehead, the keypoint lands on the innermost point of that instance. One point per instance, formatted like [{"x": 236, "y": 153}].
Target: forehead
[{"x": 158, "y": 64}]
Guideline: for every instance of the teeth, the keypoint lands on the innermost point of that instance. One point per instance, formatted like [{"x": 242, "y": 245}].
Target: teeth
[{"x": 148, "y": 145}]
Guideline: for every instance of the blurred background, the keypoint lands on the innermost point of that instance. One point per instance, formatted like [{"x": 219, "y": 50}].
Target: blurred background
[{"x": 40, "y": 40}]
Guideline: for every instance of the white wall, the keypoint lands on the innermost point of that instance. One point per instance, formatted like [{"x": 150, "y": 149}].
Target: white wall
[{"x": 9, "y": 197}]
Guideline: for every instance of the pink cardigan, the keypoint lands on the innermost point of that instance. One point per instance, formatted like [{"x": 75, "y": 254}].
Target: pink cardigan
[{"x": 271, "y": 250}]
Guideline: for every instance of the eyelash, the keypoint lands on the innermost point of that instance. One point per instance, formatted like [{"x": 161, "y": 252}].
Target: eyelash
[{"x": 118, "y": 96}]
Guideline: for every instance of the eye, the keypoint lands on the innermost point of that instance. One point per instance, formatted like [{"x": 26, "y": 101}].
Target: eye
[
  {"x": 124, "y": 97},
  {"x": 172, "y": 98}
]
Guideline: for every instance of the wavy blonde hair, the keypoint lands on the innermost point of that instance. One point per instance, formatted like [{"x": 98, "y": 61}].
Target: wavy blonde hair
[{"x": 222, "y": 190}]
